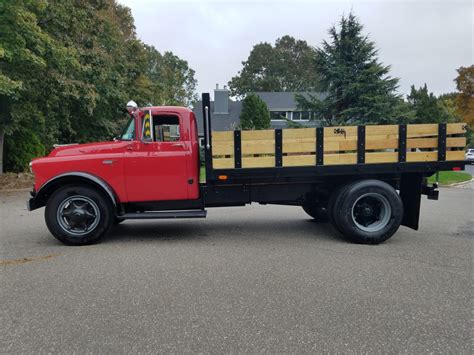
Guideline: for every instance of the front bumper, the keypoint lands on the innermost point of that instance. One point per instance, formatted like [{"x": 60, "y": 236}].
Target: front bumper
[{"x": 33, "y": 203}]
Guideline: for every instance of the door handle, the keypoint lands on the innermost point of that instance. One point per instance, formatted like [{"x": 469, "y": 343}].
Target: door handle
[
  {"x": 130, "y": 147},
  {"x": 177, "y": 145}
]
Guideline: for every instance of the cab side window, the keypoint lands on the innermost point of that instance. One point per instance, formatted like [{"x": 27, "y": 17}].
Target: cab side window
[{"x": 166, "y": 129}]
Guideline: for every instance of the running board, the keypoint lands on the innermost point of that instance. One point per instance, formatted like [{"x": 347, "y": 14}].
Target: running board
[{"x": 165, "y": 214}]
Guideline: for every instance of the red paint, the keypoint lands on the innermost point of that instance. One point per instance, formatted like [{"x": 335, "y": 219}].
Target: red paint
[
  {"x": 456, "y": 168},
  {"x": 138, "y": 171}
]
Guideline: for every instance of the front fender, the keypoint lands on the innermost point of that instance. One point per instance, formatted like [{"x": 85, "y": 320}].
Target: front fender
[{"x": 40, "y": 197}]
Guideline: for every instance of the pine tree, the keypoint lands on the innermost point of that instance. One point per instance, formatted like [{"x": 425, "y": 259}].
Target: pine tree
[
  {"x": 255, "y": 114},
  {"x": 358, "y": 86}
]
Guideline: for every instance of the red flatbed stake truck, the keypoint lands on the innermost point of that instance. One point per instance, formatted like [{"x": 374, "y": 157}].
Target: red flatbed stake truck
[{"x": 366, "y": 180}]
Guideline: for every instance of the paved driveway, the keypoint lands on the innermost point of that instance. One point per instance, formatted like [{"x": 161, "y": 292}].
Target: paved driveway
[{"x": 255, "y": 279}]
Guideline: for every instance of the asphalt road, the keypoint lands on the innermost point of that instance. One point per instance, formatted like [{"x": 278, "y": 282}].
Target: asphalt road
[{"x": 254, "y": 279}]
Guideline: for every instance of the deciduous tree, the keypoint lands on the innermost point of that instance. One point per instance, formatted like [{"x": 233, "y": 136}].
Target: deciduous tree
[{"x": 287, "y": 66}]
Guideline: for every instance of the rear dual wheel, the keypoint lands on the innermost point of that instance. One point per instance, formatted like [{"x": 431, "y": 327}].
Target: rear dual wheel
[{"x": 367, "y": 211}]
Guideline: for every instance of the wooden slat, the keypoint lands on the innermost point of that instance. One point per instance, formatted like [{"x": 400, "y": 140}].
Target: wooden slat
[
  {"x": 422, "y": 129},
  {"x": 422, "y": 156},
  {"x": 258, "y": 162},
  {"x": 334, "y": 159},
  {"x": 222, "y": 148},
  {"x": 381, "y": 130},
  {"x": 388, "y": 143},
  {"x": 299, "y": 133},
  {"x": 258, "y": 147},
  {"x": 309, "y": 147},
  {"x": 456, "y": 142},
  {"x": 330, "y": 132},
  {"x": 225, "y": 136},
  {"x": 223, "y": 163},
  {"x": 422, "y": 143},
  {"x": 455, "y": 128},
  {"x": 455, "y": 155},
  {"x": 299, "y": 160},
  {"x": 381, "y": 157},
  {"x": 268, "y": 134},
  {"x": 335, "y": 146}
]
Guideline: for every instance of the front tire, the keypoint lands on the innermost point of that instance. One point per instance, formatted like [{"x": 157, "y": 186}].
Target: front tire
[
  {"x": 78, "y": 215},
  {"x": 368, "y": 211}
]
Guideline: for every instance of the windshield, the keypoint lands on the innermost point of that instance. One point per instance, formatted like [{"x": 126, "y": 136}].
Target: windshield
[{"x": 128, "y": 133}]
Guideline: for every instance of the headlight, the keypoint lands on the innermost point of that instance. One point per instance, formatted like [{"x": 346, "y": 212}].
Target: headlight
[{"x": 31, "y": 165}]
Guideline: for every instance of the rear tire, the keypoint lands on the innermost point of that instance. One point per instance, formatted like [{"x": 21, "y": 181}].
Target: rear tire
[
  {"x": 78, "y": 215},
  {"x": 367, "y": 211}
]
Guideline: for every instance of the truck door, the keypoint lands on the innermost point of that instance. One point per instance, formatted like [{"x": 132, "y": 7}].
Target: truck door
[{"x": 155, "y": 167}]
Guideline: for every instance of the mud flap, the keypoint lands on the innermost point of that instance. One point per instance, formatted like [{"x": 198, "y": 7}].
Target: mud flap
[{"x": 411, "y": 186}]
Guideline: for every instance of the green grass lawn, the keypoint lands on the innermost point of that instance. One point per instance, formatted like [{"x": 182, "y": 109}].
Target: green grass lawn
[{"x": 450, "y": 177}]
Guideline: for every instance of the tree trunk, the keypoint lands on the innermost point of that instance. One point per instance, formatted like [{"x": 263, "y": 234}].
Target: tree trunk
[{"x": 2, "y": 140}]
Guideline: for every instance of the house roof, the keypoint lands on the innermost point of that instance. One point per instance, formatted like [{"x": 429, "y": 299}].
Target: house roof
[
  {"x": 285, "y": 101},
  {"x": 220, "y": 122}
]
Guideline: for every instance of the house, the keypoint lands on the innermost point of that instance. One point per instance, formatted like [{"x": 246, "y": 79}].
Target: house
[{"x": 283, "y": 107}]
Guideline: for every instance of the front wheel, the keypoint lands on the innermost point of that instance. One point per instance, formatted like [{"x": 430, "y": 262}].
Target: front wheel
[
  {"x": 368, "y": 211},
  {"x": 78, "y": 215}
]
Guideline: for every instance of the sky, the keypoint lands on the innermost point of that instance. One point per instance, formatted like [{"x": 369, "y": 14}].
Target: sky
[{"x": 423, "y": 41}]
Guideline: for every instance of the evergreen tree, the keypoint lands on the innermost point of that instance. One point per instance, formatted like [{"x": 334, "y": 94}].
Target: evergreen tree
[
  {"x": 358, "y": 87},
  {"x": 255, "y": 114}
]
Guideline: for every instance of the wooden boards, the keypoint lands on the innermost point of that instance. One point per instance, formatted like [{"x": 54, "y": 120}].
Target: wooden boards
[{"x": 340, "y": 145}]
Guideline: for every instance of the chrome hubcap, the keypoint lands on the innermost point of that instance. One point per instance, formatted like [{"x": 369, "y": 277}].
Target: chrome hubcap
[
  {"x": 78, "y": 215},
  {"x": 371, "y": 212}
]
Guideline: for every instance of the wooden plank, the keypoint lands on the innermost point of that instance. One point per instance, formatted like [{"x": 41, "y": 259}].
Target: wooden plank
[
  {"x": 377, "y": 143},
  {"x": 381, "y": 130},
  {"x": 225, "y": 136},
  {"x": 268, "y": 134},
  {"x": 381, "y": 157},
  {"x": 455, "y": 155},
  {"x": 337, "y": 132},
  {"x": 299, "y": 160},
  {"x": 456, "y": 128},
  {"x": 422, "y": 156},
  {"x": 299, "y": 133},
  {"x": 258, "y": 162},
  {"x": 258, "y": 147},
  {"x": 456, "y": 142},
  {"x": 309, "y": 147},
  {"x": 422, "y": 129},
  {"x": 336, "y": 146},
  {"x": 223, "y": 163},
  {"x": 335, "y": 159},
  {"x": 222, "y": 148},
  {"x": 422, "y": 143}
]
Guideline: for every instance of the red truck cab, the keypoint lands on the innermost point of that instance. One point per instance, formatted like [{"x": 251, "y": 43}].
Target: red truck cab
[{"x": 161, "y": 164}]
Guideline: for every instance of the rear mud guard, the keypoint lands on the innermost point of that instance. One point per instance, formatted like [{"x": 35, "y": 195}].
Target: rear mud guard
[{"x": 411, "y": 186}]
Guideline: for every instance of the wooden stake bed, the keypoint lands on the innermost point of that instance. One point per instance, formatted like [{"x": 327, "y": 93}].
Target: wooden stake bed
[{"x": 338, "y": 145}]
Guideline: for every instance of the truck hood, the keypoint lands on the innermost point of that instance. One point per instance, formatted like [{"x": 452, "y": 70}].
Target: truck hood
[{"x": 79, "y": 149}]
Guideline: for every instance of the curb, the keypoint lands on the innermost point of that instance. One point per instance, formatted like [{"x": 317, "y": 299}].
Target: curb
[{"x": 458, "y": 183}]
